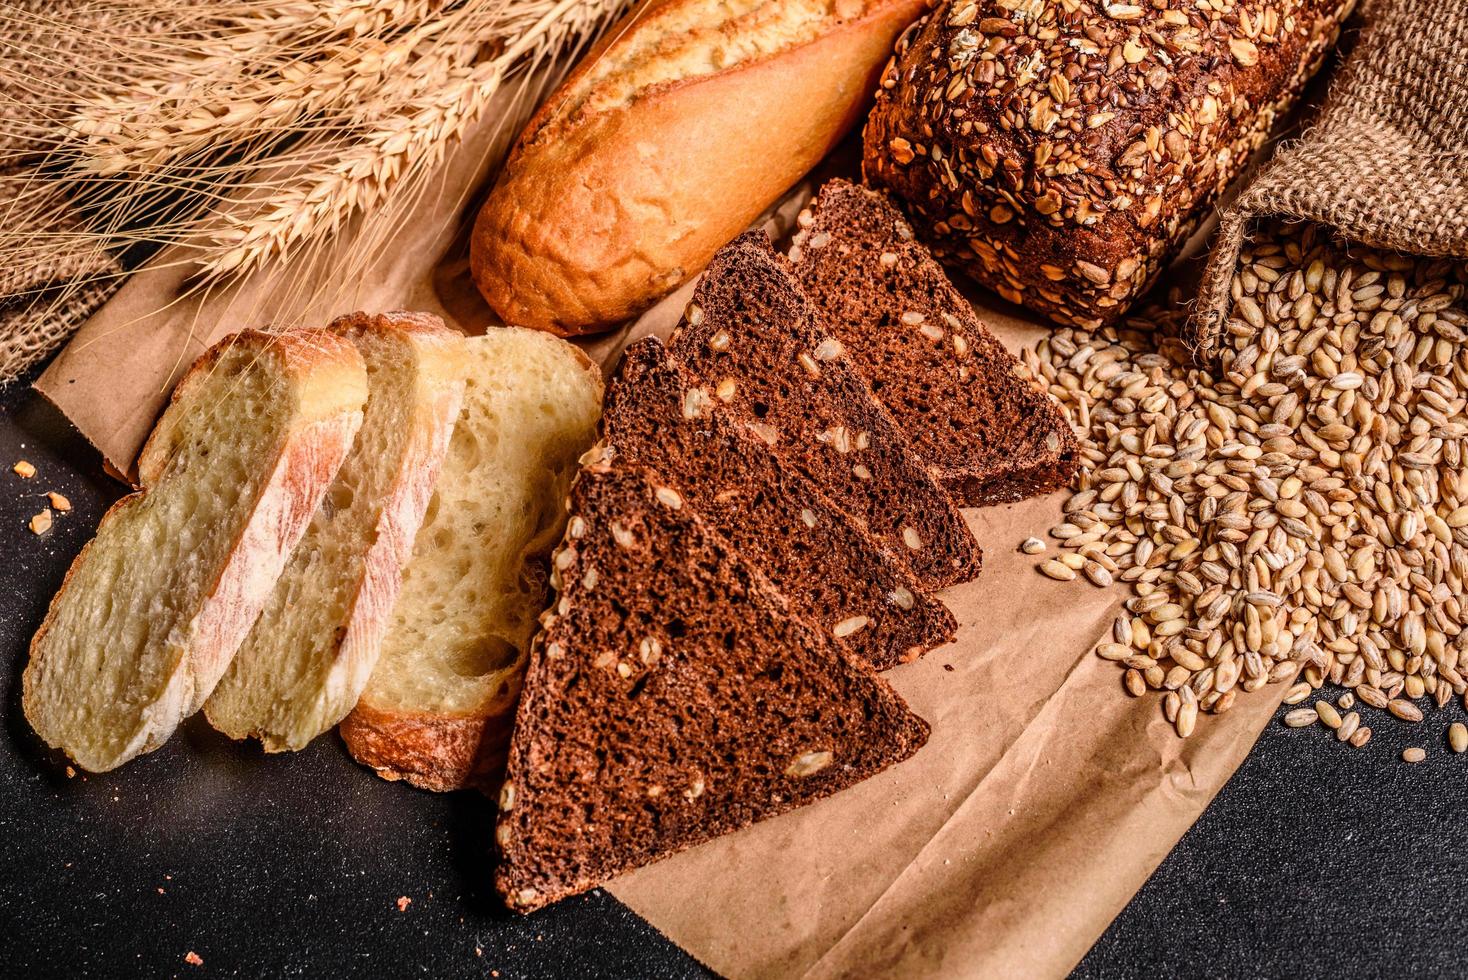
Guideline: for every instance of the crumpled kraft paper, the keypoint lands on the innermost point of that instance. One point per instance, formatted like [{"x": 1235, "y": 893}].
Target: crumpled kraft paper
[{"x": 1043, "y": 800}]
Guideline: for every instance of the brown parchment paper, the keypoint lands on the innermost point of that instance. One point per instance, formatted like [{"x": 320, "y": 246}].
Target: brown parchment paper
[{"x": 1043, "y": 800}]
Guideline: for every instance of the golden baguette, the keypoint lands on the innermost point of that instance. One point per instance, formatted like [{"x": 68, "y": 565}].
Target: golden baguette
[{"x": 679, "y": 128}]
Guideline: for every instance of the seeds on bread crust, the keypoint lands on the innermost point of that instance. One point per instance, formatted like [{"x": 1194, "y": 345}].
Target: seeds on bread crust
[{"x": 1021, "y": 132}]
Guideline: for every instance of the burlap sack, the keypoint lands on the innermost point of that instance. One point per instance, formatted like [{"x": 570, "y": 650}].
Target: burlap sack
[
  {"x": 54, "y": 275},
  {"x": 1386, "y": 164},
  {"x": 52, "y": 279}
]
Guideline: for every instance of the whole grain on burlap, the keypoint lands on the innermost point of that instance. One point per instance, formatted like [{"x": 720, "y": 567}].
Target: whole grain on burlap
[{"x": 1385, "y": 165}]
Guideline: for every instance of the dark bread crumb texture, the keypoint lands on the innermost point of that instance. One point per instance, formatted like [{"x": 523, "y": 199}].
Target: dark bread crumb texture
[
  {"x": 832, "y": 572},
  {"x": 671, "y": 699},
  {"x": 987, "y": 434},
  {"x": 750, "y": 328}
]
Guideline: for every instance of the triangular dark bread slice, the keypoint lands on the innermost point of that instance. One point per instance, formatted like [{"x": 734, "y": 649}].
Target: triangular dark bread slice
[
  {"x": 750, "y": 333},
  {"x": 833, "y": 574},
  {"x": 986, "y": 433},
  {"x": 671, "y": 699}
]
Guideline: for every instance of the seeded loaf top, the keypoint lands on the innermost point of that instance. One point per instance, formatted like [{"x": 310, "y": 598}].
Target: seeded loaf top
[
  {"x": 670, "y": 699},
  {"x": 751, "y": 332},
  {"x": 1060, "y": 151},
  {"x": 987, "y": 434},
  {"x": 833, "y": 574}
]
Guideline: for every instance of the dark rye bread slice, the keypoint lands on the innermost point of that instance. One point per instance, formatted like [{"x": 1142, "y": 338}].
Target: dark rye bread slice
[
  {"x": 833, "y": 574},
  {"x": 987, "y": 434},
  {"x": 671, "y": 699},
  {"x": 751, "y": 334}
]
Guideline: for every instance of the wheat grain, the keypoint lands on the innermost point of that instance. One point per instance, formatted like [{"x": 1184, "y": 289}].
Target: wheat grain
[{"x": 1297, "y": 506}]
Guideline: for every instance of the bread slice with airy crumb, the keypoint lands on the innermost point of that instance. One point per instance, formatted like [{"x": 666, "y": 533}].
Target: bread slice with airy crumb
[
  {"x": 438, "y": 706},
  {"x": 155, "y": 606},
  {"x": 749, "y": 331},
  {"x": 672, "y": 698},
  {"x": 305, "y": 662},
  {"x": 987, "y": 434}
]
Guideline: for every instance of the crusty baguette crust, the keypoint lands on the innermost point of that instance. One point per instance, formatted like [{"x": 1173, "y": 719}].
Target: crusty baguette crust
[
  {"x": 292, "y": 495},
  {"x": 324, "y": 368},
  {"x": 597, "y": 215},
  {"x": 441, "y": 753},
  {"x": 332, "y": 387},
  {"x": 359, "y": 637}
]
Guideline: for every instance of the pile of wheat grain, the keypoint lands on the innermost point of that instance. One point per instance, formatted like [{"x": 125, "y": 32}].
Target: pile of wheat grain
[{"x": 1300, "y": 507}]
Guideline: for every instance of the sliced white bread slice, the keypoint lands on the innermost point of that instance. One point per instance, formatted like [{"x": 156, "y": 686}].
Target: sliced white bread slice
[
  {"x": 310, "y": 653},
  {"x": 155, "y": 606},
  {"x": 438, "y": 708}
]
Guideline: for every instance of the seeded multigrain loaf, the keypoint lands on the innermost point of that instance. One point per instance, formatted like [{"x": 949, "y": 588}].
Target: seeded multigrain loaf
[
  {"x": 1061, "y": 152},
  {"x": 987, "y": 435},
  {"x": 438, "y": 706},
  {"x": 751, "y": 333},
  {"x": 833, "y": 574},
  {"x": 671, "y": 699},
  {"x": 310, "y": 653},
  {"x": 671, "y": 136},
  {"x": 155, "y": 606}
]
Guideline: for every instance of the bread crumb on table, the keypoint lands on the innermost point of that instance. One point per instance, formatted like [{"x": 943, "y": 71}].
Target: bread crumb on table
[
  {"x": 193, "y": 959},
  {"x": 24, "y": 469},
  {"x": 58, "y": 502},
  {"x": 41, "y": 523},
  {"x": 403, "y": 903}
]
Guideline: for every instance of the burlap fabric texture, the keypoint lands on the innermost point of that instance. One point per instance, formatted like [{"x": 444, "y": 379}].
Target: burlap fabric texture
[
  {"x": 1386, "y": 163},
  {"x": 53, "y": 275}
]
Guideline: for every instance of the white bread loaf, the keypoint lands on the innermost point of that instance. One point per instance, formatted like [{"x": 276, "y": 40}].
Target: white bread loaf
[
  {"x": 310, "y": 653},
  {"x": 155, "y": 606},
  {"x": 438, "y": 707},
  {"x": 685, "y": 122}
]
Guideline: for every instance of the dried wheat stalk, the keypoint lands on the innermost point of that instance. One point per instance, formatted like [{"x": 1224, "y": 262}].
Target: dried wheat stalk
[{"x": 253, "y": 130}]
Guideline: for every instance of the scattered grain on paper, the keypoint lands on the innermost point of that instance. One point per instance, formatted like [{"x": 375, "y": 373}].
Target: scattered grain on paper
[
  {"x": 1295, "y": 510},
  {"x": 1057, "y": 571}
]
